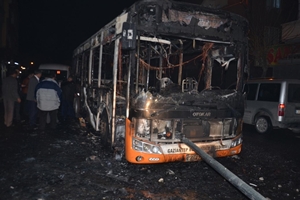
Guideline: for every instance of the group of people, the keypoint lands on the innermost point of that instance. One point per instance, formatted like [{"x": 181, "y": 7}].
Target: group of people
[{"x": 42, "y": 99}]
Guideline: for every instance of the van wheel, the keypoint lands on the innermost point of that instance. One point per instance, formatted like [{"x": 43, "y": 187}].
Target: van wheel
[{"x": 263, "y": 125}]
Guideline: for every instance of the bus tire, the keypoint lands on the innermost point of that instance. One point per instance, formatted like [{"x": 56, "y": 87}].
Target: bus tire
[
  {"x": 263, "y": 124},
  {"x": 104, "y": 129}
]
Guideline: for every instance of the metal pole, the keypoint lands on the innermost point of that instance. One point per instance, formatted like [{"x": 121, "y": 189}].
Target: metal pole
[
  {"x": 90, "y": 67},
  {"x": 100, "y": 61},
  {"x": 240, "y": 70},
  {"x": 148, "y": 70},
  {"x": 137, "y": 67},
  {"x": 77, "y": 64},
  {"x": 208, "y": 76},
  {"x": 115, "y": 72},
  {"x": 82, "y": 78},
  {"x": 128, "y": 83},
  {"x": 228, "y": 175},
  {"x": 160, "y": 65},
  {"x": 180, "y": 63}
]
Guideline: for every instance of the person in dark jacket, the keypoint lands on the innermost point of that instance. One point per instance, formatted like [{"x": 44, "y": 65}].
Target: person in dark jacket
[
  {"x": 10, "y": 96},
  {"x": 24, "y": 86},
  {"x": 48, "y": 97},
  {"x": 31, "y": 101},
  {"x": 68, "y": 92}
]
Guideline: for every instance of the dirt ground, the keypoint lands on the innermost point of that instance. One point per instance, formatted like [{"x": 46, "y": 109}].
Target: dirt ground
[{"x": 70, "y": 163}]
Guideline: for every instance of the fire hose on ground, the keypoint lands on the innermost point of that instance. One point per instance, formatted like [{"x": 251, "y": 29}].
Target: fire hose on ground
[{"x": 227, "y": 174}]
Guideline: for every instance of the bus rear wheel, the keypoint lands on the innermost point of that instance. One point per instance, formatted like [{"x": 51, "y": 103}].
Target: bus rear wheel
[{"x": 104, "y": 129}]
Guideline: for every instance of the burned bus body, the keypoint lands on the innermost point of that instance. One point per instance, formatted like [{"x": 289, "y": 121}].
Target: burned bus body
[{"x": 158, "y": 73}]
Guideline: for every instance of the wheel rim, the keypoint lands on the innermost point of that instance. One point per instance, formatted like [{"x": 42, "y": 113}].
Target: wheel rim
[{"x": 262, "y": 125}]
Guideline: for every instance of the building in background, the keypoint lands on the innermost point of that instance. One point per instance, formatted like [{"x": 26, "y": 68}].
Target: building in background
[
  {"x": 285, "y": 58},
  {"x": 9, "y": 30},
  {"x": 274, "y": 35}
]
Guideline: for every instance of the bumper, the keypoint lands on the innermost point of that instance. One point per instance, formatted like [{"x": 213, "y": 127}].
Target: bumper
[{"x": 189, "y": 156}]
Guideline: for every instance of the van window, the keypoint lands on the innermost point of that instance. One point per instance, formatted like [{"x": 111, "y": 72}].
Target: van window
[
  {"x": 269, "y": 92},
  {"x": 250, "y": 90},
  {"x": 60, "y": 74},
  {"x": 294, "y": 93}
]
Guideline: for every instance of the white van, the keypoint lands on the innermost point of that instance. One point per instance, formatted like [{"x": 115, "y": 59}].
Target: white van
[
  {"x": 272, "y": 103},
  {"x": 62, "y": 71}
]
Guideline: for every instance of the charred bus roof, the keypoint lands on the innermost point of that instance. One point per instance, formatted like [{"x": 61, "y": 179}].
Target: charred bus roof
[{"x": 165, "y": 17}]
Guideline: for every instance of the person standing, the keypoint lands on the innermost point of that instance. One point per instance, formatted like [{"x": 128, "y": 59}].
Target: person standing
[
  {"x": 48, "y": 96},
  {"x": 10, "y": 96},
  {"x": 31, "y": 101},
  {"x": 68, "y": 92},
  {"x": 17, "y": 106},
  {"x": 24, "y": 86}
]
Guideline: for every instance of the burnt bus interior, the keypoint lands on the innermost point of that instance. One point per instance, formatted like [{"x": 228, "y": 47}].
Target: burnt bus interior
[{"x": 167, "y": 70}]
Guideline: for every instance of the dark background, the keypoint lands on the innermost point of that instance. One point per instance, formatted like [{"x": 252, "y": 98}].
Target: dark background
[{"x": 50, "y": 30}]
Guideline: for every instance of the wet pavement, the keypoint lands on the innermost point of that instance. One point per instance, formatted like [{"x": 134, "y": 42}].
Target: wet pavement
[{"x": 71, "y": 163}]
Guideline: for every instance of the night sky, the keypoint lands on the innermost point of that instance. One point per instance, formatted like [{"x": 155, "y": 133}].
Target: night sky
[{"x": 50, "y": 30}]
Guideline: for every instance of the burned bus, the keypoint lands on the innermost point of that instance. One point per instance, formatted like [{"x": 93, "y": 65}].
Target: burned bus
[{"x": 158, "y": 73}]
